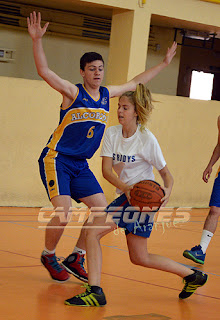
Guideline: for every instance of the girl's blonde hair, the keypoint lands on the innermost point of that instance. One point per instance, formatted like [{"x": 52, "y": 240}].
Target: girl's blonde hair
[{"x": 142, "y": 100}]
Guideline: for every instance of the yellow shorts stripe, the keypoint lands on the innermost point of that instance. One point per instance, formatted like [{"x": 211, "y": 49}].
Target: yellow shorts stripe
[{"x": 51, "y": 174}]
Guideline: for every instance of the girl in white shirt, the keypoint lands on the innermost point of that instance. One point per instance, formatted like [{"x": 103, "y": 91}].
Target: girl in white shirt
[{"x": 132, "y": 151}]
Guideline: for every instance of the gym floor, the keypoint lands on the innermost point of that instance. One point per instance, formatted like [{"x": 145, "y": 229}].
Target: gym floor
[{"x": 132, "y": 292}]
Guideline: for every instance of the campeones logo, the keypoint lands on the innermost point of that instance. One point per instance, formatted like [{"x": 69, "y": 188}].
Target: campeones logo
[{"x": 76, "y": 217}]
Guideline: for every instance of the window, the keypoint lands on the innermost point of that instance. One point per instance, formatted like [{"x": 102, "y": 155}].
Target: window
[{"x": 201, "y": 85}]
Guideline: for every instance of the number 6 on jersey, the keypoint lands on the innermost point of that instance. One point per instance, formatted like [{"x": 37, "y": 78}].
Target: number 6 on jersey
[{"x": 90, "y": 133}]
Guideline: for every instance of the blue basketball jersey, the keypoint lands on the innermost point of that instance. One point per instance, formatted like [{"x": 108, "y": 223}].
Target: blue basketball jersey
[{"x": 81, "y": 125}]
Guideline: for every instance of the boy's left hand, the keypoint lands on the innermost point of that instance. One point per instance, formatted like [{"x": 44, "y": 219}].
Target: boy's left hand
[{"x": 170, "y": 53}]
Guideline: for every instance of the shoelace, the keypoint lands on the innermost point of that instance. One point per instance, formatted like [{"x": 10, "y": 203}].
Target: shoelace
[
  {"x": 196, "y": 248},
  {"x": 54, "y": 264},
  {"x": 81, "y": 262},
  {"x": 60, "y": 258},
  {"x": 88, "y": 290}
]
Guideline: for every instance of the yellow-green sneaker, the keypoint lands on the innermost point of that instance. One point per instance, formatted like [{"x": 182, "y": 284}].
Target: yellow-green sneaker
[
  {"x": 92, "y": 297},
  {"x": 193, "y": 282}
]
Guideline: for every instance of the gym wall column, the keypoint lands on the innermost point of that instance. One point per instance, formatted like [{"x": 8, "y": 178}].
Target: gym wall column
[{"x": 127, "y": 57}]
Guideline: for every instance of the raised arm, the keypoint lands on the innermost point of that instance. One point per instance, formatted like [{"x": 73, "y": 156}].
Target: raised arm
[
  {"x": 145, "y": 76},
  {"x": 214, "y": 158},
  {"x": 36, "y": 32}
]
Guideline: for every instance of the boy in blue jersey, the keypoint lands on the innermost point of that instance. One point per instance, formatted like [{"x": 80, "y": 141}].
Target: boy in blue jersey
[
  {"x": 198, "y": 252},
  {"x": 63, "y": 165}
]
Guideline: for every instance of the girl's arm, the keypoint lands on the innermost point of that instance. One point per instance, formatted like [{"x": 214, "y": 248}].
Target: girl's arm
[
  {"x": 168, "y": 184},
  {"x": 108, "y": 174}
]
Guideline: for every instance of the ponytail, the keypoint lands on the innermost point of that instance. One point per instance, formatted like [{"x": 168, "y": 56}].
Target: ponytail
[{"x": 142, "y": 100}]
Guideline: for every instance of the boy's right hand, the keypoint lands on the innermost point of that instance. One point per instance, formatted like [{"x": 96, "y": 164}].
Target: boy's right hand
[
  {"x": 34, "y": 26},
  {"x": 206, "y": 174}
]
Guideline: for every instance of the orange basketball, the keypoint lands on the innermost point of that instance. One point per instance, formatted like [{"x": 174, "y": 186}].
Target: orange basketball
[{"x": 147, "y": 193}]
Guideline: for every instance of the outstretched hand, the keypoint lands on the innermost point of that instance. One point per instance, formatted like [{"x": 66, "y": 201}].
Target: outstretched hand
[
  {"x": 34, "y": 26},
  {"x": 170, "y": 53}
]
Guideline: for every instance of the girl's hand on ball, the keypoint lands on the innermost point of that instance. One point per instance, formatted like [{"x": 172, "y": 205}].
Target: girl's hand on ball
[
  {"x": 127, "y": 190},
  {"x": 165, "y": 199}
]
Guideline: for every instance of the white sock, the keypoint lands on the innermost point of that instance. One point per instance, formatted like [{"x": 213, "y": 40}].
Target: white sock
[
  {"x": 205, "y": 239},
  {"x": 78, "y": 250},
  {"x": 47, "y": 251}
]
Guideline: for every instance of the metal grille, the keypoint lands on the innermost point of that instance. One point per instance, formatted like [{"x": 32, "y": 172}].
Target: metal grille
[{"x": 62, "y": 23}]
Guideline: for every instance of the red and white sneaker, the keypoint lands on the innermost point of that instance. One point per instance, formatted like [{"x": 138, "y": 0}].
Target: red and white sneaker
[
  {"x": 56, "y": 271},
  {"x": 74, "y": 264}
]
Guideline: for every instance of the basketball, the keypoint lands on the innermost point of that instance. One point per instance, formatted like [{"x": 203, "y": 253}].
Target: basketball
[{"x": 147, "y": 193}]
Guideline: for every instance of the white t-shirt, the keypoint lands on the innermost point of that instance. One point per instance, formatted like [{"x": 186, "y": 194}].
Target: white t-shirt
[{"x": 133, "y": 157}]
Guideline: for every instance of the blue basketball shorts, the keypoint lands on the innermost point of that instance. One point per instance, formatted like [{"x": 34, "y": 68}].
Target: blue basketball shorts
[
  {"x": 65, "y": 175},
  {"x": 215, "y": 196},
  {"x": 132, "y": 220}
]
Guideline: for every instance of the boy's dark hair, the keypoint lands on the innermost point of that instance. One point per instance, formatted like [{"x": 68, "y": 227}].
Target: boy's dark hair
[{"x": 89, "y": 57}]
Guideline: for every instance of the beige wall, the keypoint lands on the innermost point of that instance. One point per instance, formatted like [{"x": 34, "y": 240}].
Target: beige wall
[
  {"x": 166, "y": 81},
  {"x": 186, "y": 130},
  {"x": 63, "y": 54},
  {"x": 29, "y": 114},
  {"x": 189, "y": 10}
]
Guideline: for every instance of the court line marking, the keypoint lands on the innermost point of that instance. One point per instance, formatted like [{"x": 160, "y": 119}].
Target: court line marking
[
  {"x": 38, "y": 265},
  {"x": 103, "y": 245},
  {"x": 19, "y": 254},
  {"x": 116, "y": 276},
  {"x": 157, "y": 285}
]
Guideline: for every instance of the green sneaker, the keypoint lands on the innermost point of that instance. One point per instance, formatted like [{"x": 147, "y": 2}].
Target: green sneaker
[
  {"x": 92, "y": 297},
  {"x": 193, "y": 282}
]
